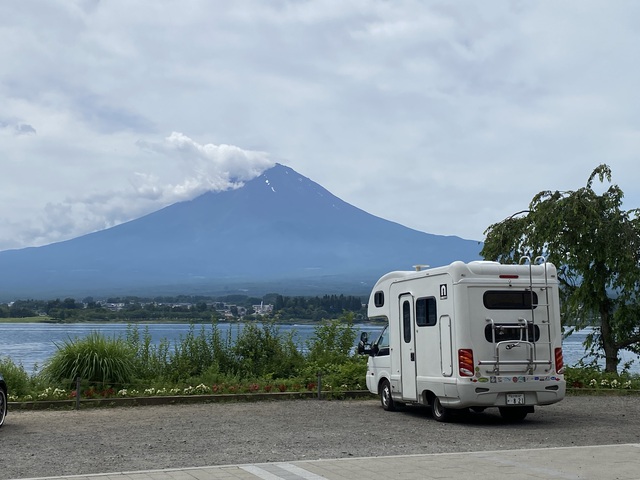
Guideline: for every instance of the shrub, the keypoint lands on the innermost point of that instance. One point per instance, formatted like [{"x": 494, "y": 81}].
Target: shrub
[
  {"x": 332, "y": 341},
  {"x": 349, "y": 375},
  {"x": 95, "y": 358},
  {"x": 264, "y": 352},
  {"x": 17, "y": 378},
  {"x": 592, "y": 377}
]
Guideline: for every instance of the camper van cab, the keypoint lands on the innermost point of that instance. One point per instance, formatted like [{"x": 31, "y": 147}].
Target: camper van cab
[{"x": 467, "y": 336}]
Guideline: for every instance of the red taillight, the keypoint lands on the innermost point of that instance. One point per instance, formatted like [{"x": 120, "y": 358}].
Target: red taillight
[
  {"x": 465, "y": 362},
  {"x": 505, "y": 275},
  {"x": 559, "y": 360}
]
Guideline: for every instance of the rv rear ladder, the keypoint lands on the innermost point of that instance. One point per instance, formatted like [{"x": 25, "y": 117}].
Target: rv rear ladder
[{"x": 526, "y": 327}]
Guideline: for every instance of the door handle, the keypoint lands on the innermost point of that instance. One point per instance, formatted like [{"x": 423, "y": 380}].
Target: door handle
[{"x": 413, "y": 356}]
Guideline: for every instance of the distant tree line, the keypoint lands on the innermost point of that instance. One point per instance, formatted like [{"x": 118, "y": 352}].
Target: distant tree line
[
  {"x": 185, "y": 308},
  {"x": 318, "y": 308}
]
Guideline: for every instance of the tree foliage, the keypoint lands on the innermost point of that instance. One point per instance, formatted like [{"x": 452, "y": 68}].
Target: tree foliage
[{"x": 596, "y": 246}]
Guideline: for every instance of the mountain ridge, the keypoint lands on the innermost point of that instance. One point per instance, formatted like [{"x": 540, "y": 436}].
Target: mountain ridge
[{"x": 280, "y": 228}]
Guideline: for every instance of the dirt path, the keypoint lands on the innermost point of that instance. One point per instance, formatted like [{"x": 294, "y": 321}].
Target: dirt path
[{"x": 49, "y": 443}]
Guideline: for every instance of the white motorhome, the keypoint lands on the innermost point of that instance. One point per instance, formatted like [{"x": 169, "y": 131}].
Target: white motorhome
[{"x": 467, "y": 336}]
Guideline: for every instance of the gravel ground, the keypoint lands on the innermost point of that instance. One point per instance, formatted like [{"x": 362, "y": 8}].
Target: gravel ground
[{"x": 66, "y": 442}]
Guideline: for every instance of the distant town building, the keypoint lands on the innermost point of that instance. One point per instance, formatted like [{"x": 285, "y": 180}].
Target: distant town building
[{"x": 262, "y": 309}]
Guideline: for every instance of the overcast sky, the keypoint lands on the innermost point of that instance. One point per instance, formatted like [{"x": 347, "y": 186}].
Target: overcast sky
[{"x": 444, "y": 116}]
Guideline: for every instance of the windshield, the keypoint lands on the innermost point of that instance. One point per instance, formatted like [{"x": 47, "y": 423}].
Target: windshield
[{"x": 383, "y": 339}]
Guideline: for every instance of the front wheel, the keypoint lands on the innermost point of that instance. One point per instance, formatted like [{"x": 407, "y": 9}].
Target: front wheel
[
  {"x": 439, "y": 412},
  {"x": 385, "y": 396},
  {"x": 3, "y": 406}
]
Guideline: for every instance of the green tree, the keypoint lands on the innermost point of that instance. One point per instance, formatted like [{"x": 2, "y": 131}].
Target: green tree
[{"x": 596, "y": 247}]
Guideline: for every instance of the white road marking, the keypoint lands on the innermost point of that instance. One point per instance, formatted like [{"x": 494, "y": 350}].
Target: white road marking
[{"x": 264, "y": 473}]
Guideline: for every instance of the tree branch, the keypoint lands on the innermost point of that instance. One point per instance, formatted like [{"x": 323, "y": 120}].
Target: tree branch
[{"x": 628, "y": 342}]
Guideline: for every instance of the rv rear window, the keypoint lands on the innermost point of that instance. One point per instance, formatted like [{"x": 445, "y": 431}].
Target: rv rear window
[
  {"x": 426, "y": 312},
  {"x": 509, "y": 299},
  {"x": 507, "y": 331}
]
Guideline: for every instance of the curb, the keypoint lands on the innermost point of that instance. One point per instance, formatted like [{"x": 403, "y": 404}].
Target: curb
[{"x": 185, "y": 399}]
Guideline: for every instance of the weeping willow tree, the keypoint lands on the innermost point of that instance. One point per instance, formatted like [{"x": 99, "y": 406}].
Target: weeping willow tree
[{"x": 596, "y": 246}]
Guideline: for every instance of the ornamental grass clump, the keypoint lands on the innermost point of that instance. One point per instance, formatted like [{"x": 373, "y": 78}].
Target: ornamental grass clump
[{"x": 95, "y": 359}]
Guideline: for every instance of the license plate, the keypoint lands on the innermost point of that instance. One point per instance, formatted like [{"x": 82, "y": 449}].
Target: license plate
[{"x": 515, "y": 398}]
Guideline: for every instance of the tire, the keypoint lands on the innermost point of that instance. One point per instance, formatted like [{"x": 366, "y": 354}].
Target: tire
[
  {"x": 385, "y": 396},
  {"x": 513, "y": 414},
  {"x": 3, "y": 406},
  {"x": 439, "y": 412}
]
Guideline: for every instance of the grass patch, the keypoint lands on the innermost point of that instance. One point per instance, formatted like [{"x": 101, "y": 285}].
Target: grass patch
[{"x": 38, "y": 319}]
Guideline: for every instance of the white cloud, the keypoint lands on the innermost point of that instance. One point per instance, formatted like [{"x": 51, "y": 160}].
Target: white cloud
[
  {"x": 201, "y": 168},
  {"x": 443, "y": 116},
  {"x": 220, "y": 164}
]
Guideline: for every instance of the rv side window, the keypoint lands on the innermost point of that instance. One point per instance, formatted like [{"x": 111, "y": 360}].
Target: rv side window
[
  {"x": 378, "y": 299},
  {"x": 426, "y": 315},
  {"x": 509, "y": 299},
  {"x": 406, "y": 321}
]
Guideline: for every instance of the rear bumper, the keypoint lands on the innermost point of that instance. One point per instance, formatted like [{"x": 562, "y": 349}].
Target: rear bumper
[{"x": 492, "y": 392}]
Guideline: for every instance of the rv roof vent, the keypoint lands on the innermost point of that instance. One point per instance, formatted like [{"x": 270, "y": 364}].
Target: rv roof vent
[{"x": 419, "y": 268}]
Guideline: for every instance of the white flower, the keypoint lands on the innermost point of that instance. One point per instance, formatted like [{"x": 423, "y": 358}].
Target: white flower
[
  {"x": 202, "y": 388},
  {"x": 59, "y": 393}
]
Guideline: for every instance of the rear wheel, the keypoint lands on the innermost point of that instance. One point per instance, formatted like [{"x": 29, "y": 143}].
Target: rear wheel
[
  {"x": 385, "y": 396},
  {"x": 514, "y": 414},
  {"x": 3, "y": 406},
  {"x": 439, "y": 412}
]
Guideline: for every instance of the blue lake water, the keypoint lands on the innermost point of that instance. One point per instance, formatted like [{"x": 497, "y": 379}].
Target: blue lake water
[{"x": 32, "y": 344}]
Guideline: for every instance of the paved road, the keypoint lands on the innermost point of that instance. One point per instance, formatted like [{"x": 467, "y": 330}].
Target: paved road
[{"x": 621, "y": 462}]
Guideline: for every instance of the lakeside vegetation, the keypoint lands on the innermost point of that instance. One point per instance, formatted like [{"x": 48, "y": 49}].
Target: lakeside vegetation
[{"x": 256, "y": 358}]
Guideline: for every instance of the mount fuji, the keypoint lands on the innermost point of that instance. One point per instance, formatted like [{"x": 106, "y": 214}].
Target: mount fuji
[{"x": 280, "y": 232}]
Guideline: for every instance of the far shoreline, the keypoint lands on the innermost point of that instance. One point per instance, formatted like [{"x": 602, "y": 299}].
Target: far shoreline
[{"x": 49, "y": 321}]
